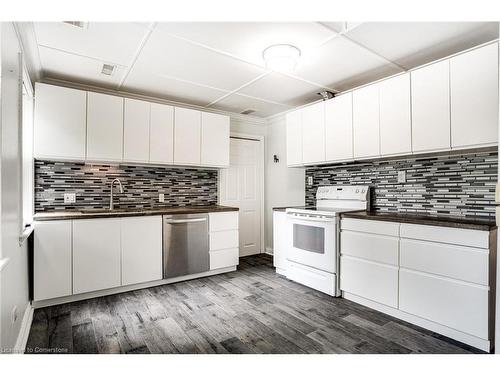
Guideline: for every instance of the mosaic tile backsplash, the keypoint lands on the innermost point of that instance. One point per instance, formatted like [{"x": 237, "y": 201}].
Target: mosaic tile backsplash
[
  {"x": 449, "y": 185},
  {"x": 141, "y": 185}
]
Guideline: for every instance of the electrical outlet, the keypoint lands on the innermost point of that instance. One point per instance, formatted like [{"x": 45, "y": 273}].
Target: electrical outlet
[
  {"x": 69, "y": 197},
  {"x": 401, "y": 177},
  {"x": 161, "y": 197},
  {"x": 309, "y": 180}
]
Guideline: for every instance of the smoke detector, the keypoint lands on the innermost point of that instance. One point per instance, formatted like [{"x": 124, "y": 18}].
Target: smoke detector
[
  {"x": 107, "y": 69},
  {"x": 326, "y": 94}
]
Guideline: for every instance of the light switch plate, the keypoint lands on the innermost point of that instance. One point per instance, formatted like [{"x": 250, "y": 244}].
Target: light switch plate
[
  {"x": 161, "y": 197},
  {"x": 69, "y": 197},
  {"x": 309, "y": 180},
  {"x": 401, "y": 177}
]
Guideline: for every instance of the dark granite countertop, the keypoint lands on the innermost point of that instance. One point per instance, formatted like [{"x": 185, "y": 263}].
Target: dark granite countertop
[
  {"x": 103, "y": 213},
  {"x": 424, "y": 219}
]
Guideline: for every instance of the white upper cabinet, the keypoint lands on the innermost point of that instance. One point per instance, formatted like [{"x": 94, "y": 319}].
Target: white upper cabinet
[
  {"x": 395, "y": 118},
  {"x": 313, "y": 133},
  {"x": 294, "y": 138},
  {"x": 430, "y": 100},
  {"x": 136, "y": 131},
  {"x": 366, "y": 125},
  {"x": 338, "y": 128},
  {"x": 104, "y": 127},
  {"x": 60, "y": 121},
  {"x": 214, "y": 140},
  {"x": 161, "y": 142},
  {"x": 474, "y": 97},
  {"x": 187, "y": 137}
]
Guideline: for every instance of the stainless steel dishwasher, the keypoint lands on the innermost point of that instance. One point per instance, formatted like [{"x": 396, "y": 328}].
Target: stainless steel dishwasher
[{"x": 185, "y": 245}]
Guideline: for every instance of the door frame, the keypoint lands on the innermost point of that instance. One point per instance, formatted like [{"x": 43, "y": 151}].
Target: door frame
[{"x": 261, "y": 139}]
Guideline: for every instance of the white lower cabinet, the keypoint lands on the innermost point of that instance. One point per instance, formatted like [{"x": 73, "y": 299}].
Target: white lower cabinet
[
  {"x": 223, "y": 239},
  {"x": 281, "y": 241},
  {"x": 141, "y": 246},
  {"x": 96, "y": 254},
  {"x": 52, "y": 260},
  {"x": 375, "y": 281},
  {"x": 459, "y": 305},
  {"x": 437, "y": 277}
]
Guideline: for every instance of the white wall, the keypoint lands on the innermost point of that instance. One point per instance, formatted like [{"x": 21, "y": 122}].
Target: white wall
[
  {"x": 284, "y": 186},
  {"x": 14, "y": 277}
]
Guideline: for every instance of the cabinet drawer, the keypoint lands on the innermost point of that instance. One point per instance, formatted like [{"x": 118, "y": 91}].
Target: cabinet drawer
[
  {"x": 224, "y": 258},
  {"x": 455, "y": 304},
  {"x": 464, "y": 237},
  {"x": 370, "y": 246},
  {"x": 458, "y": 262},
  {"x": 370, "y": 226},
  {"x": 223, "y": 221},
  {"x": 375, "y": 281},
  {"x": 223, "y": 240}
]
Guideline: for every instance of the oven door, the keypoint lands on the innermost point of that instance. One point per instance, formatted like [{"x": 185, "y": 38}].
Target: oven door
[{"x": 314, "y": 241}]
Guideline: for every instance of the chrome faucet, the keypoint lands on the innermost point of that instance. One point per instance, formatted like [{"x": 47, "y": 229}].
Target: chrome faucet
[{"x": 121, "y": 191}]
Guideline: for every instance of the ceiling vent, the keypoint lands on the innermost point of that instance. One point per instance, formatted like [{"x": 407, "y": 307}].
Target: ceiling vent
[
  {"x": 247, "y": 111},
  {"x": 80, "y": 24},
  {"x": 107, "y": 69}
]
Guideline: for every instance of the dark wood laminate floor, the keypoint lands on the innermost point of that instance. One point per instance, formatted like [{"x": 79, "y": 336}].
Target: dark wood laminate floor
[{"x": 252, "y": 310}]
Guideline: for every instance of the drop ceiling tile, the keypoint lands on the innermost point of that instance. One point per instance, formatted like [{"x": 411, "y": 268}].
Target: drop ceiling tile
[
  {"x": 170, "y": 56},
  {"x": 116, "y": 42},
  {"x": 147, "y": 83},
  {"x": 239, "y": 103},
  {"x": 58, "y": 64},
  {"x": 247, "y": 40},
  {"x": 341, "y": 64},
  {"x": 283, "y": 89},
  {"x": 414, "y": 43}
]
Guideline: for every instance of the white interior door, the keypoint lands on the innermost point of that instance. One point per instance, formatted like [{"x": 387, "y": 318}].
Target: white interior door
[{"x": 240, "y": 186}]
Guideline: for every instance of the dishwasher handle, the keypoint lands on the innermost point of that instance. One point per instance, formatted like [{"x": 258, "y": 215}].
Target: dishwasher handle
[{"x": 184, "y": 221}]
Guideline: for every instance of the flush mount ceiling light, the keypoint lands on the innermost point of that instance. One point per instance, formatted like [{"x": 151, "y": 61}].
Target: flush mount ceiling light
[{"x": 281, "y": 57}]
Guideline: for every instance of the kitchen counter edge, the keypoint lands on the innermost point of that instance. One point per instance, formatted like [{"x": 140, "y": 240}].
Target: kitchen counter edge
[
  {"x": 77, "y": 215},
  {"x": 451, "y": 222}
]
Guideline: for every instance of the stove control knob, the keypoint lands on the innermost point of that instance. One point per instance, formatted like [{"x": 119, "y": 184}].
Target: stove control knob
[{"x": 357, "y": 190}]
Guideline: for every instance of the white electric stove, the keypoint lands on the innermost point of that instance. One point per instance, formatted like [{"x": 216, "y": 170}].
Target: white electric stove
[{"x": 313, "y": 254}]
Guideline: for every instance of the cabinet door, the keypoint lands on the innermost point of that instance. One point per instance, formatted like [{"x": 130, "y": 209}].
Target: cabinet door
[
  {"x": 96, "y": 254},
  {"x": 395, "y": 121},
  {"x": 294, "y": 138},
  {"x": 365, "y": 103},
  {"x": 214, "y": 140},
  {"x": 136, "y": 131},
  {"x": 455, "y": 304},
  {"x": 474, "y": 97},
  {"x": 161, "y": 144},
  {"x": 104, "y": 127},
  {"x": 430, "y": 107},
  {"x": 313, "y": 133},
  {"x": 281, "y": 241},
  {"x": 141, "y": 239},
  {"x": 338, "y": 128},
  {"x": 52, "y": 260},
  {"x": 375, "y": 281},
  {"x": 187, "y": 136},
  {"x": 60, "y": 122}
]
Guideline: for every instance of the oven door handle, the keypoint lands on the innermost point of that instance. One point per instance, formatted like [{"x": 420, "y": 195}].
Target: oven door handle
[{"x": 309, "y": 218}]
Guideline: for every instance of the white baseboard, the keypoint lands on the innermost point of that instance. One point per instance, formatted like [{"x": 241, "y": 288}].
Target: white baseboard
[
  {"x": 24, "y": 331},
  {"x": 269, "y": 250}
]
